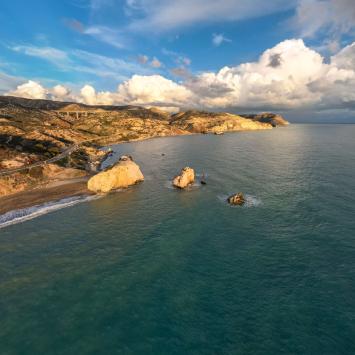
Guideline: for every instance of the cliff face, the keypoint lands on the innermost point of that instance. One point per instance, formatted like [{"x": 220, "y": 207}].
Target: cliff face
[
  {"x": 123, "y": 174},
  {"x": 208, "y": 122},
  {"x": 271, "y": 118},
  {"x": 32, "y": 131}
]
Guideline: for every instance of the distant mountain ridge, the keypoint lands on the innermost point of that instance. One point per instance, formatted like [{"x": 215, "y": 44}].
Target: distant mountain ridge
[
  {"x": 43, "y": 104},
  {"x": 274, "y": 119}
]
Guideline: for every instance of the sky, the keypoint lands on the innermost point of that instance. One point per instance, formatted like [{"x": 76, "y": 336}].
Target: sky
[{"x": 296, "y": 57}]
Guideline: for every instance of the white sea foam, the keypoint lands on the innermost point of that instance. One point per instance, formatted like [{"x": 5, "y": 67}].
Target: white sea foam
[
  {"x": 25, "y": 214},
  {"x": 169, "y": 184},
  {"x": 252, "y": 201}
]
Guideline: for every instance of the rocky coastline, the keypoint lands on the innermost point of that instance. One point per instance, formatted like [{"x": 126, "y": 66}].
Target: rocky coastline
[{"x": 46, "y": 142}]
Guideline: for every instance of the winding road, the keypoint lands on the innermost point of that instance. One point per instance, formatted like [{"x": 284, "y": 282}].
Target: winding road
[{"x": 62, "y": 155}]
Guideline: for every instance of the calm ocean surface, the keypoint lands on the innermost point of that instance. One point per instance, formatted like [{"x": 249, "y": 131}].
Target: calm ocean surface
[{"x": 153, "y": 270}]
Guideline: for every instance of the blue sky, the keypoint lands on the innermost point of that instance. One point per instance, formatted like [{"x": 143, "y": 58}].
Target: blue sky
[
  {"x": 62, "y": 25},
  {"x": 100, "y": 44}
]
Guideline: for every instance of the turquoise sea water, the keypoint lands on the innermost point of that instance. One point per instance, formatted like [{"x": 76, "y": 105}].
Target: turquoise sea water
[{"x": 153, "y": 270}]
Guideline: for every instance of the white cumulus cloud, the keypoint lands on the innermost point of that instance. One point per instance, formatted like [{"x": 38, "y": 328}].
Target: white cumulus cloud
[
  {"x": 30, "y": 90},
  {"x": 152, "y": 90},
  {"x": 278, "y": 78},
  {"x": 88, "y": 95},
  {"x": 60, "y": 92},
  {"x": 288, "y": 76}
]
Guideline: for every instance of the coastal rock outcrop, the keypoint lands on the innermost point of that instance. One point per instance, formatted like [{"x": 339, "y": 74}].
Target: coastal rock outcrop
[
  {"x": 236, "y": 199},
  {"x": 123, "y": 174},
  {"x": 215, "y": 122},
  {"x": 186, "y": 178},
  {"x": 267, "y": 117}
]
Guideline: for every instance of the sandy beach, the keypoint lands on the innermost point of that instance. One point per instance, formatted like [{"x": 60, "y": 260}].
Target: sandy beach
[{"x": 52, "y": 192}]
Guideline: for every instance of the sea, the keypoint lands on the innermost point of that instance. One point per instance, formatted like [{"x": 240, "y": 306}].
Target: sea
[{"x": 156, "y": 270}]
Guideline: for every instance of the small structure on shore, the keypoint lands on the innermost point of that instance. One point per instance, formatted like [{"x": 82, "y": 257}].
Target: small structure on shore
[
  {"x": 186, "y": 178},
  {"x": 236, "y": 199}
]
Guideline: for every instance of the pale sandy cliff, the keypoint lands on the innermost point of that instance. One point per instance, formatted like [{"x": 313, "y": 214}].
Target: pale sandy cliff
[
  {"x": 123, "y": 174},
  {"x": 186, "y": 178}
]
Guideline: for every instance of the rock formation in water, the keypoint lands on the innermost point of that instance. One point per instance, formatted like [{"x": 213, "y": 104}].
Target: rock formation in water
[
  {"x": 186, "y": 178},
  {"x": 236, "y": 199},
  {"x": 122, "y": 174}
]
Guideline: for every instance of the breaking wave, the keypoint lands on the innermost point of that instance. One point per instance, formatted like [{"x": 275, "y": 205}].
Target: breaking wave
[{"x": 25, "y": 214}]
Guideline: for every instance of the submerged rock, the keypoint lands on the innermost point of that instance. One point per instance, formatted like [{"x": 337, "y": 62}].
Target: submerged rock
[
  {"x": 186, "y": 178},
  {"x": 236, "y": 199},
  {"x": 122, "y": 174}
]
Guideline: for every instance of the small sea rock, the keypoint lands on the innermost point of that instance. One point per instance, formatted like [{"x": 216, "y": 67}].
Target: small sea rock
[
  {"x": 186, "y": 178},
  {"x": 236, "y": 199}
]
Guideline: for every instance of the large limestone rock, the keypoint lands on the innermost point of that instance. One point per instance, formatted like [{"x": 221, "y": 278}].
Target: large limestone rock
[
  {"x": 122, "y": 174},
  {"x": 186, "y": 177}
]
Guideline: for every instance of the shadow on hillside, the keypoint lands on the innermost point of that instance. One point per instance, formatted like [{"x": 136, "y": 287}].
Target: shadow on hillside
[{"x": 27, "y": 145}]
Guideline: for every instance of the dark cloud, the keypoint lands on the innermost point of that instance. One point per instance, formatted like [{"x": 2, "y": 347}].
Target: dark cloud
[
  {"x": 214, "y": 90},
  {"x": 275, "y": 60}
]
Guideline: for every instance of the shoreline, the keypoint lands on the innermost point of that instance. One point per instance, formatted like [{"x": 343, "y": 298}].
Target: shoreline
[
  {"x": 54, "y": 191},
  {"x": 60, "y": 189}
]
